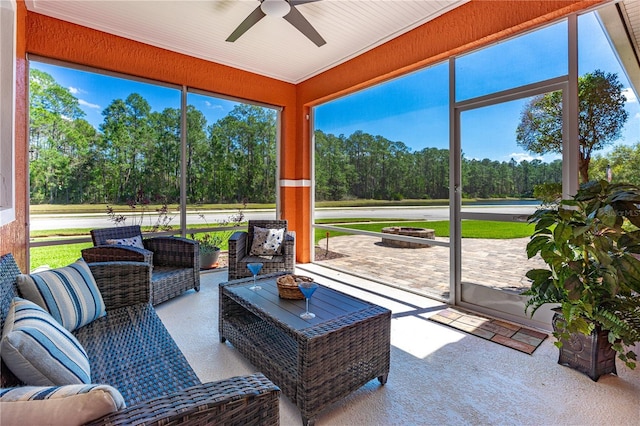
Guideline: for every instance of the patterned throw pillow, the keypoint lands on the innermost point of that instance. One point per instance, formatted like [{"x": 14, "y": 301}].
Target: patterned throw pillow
[
  {"x": 69, "y": 294},
  {"x": 131, "y": 242},
  {"x": 61, "y": 405},
  {"x": 266, "y": 242},
  {"x": 40, "y": 351}
]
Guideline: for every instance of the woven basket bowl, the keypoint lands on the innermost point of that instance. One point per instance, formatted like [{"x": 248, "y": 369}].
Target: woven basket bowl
[{"x": 291, "y": 291}]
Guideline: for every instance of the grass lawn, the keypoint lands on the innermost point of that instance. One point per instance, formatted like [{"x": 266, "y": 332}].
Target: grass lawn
[
  {"x": 56, "y": 256},
  {"x": 470, "y": 228}
]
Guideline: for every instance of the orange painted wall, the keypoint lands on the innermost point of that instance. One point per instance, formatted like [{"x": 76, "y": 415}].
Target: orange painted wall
[{"x": 13, "y": 236}]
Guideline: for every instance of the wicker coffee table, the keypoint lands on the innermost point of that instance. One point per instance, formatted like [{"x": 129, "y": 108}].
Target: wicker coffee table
[{"x": 315, "y": 362}]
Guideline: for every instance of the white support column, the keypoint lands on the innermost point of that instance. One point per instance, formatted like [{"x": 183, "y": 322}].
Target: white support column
[
  {"x": 455, "y": 191},
  {"x": 183, "y": 162},
  {"x": 570, "y": 113}
]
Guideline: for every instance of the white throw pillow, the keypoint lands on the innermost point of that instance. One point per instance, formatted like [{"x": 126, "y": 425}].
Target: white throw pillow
[
  {"x": 266, "y": 242},
  {"x": 131, "y": 242},
  {"x": 59, "y": 405},
  {"x": 39, "y": 350},
  {"x": 69, "y": 294}
]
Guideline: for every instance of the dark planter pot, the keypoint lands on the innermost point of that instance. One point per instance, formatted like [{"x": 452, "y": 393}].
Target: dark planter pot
[
  {"x": 591, "y": 355},
  {"x": 207, "y": 260}
]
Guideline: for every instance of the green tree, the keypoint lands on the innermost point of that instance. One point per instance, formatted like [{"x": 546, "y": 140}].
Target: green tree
[
  {"x": 163, "y": 155},
  {"x": 246, "y": 139},
  {"x": 58, "y": 140},
  {"x": 332, "y": 167},
  {"x": 128, "y": 140},
  {"x": 200, "y": 165},
  {"x": 623, "y": 160},
  {"x": 601, "y": 118}
]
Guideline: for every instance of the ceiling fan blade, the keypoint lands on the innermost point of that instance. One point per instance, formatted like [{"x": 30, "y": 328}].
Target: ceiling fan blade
[
  {"x": 298, "y": 2},
  {"x": 295, "y": 18},
  {"x": 248, "y": 22}
]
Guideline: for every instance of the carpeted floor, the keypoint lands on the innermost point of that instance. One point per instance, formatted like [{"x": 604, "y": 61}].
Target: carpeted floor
[
  {"x": 439, "y": 375},
  {"x": 504, "y": 333}
]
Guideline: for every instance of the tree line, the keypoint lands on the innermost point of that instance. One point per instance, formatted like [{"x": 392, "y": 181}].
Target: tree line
[
  {"x": 372, "y": 167},
  {"x": 135, "y": 155}
]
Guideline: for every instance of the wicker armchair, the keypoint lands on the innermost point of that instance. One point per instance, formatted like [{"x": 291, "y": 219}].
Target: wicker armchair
[
  {"x": 176, "y": 261},
  {"x": 240, "y": 246}
]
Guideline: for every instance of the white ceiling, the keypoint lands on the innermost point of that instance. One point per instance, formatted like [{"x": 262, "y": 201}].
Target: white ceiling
[{"x": 272, "y": 47}]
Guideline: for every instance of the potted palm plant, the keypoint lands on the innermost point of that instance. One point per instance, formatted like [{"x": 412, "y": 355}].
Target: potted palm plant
[{"x": 591, "y": 245}]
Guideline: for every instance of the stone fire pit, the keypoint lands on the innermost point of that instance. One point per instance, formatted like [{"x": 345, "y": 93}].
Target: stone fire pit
[{"x": 408, "y": 231}]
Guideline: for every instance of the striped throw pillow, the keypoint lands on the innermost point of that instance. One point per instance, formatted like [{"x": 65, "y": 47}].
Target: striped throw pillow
[
  {"x": 69, "y": 294},
  {"x": 60, "y": 405},
  {"x": 40, "y": 351}
]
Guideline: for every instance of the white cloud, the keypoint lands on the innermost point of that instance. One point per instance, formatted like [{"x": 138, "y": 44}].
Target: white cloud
[
  {"x": 212, "y": 106},
  {"x": 630, "y": 95},
  {"x": 520, "y": 156},
  {"x": 88, "y": 105},
  {"x": 75, "y": 90}
]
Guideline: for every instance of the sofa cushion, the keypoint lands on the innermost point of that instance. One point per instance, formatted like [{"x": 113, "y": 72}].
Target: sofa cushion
[
  {"x": 58, "y": 405},
  {"x": 69, "y": 294},
  {"x": 40, "y": 351},
  {"x": 266, "y": 242},
  {"x": 142, "y": 361},
  {"x": 131, "y": 242}
]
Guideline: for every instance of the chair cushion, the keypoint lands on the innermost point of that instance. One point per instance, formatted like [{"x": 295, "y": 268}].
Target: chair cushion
[
  {"x": 131, "y": 242},
  {"x": 40, "y": 351},
  {"x": 60, "y": 405},
  {"x": 266, "y": 242},
  {"x": 69, "y": 294}
]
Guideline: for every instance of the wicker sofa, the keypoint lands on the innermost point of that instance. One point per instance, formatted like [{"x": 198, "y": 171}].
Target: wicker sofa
[
  {"x": 176, "y": 261},
  {"x": 240, "y": 244},
  {"x": 130, "y": 349}
]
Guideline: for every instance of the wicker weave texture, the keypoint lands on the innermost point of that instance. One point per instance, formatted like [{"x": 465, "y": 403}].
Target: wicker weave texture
[
  {"x": 240, "y": 246},
  {"x": 176, "y": 260},
  {"x": 314, "y": 366},
  {"x": 122, "y": 283},
  {"x": 133, "y": 339},
  {"x": 245, "y": 400},
  {"x": 8, "y": 290}
]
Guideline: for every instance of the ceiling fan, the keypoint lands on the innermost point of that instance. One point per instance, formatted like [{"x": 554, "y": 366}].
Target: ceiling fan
[{"x": 280, "y": 9}]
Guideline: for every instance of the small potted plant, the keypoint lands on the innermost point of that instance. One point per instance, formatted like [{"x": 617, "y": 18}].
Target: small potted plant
[
  {"x": 211, "y": 242},
  {"x": 210, "y": 247},
  {"x": 590, "y": 244}
]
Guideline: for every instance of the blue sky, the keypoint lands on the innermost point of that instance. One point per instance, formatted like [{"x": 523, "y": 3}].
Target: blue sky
[
  {"x": 96, "y": 91},
  {"x": 411, "y": 109}
]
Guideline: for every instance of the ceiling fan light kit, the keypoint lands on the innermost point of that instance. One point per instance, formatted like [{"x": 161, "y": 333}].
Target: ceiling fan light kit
[
  {"x": 286, "y": 9},
  {"x": 275, "y": 8}
]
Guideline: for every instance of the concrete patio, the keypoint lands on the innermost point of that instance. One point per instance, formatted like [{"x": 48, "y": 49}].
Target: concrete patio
[
  {"x": 499, "y": 264},
  {"x": 439, "y": 376}
]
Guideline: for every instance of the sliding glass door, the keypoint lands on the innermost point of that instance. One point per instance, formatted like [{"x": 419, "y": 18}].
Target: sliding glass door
[{"x": 499, "y": 187}]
